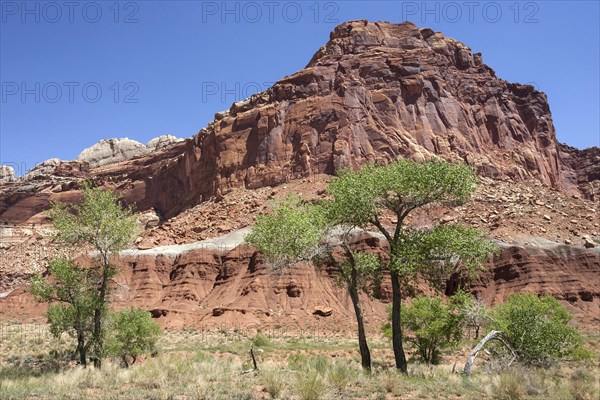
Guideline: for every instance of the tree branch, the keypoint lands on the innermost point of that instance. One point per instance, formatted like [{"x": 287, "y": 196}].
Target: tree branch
[
  {"x": 375, "y": 221},
  {"x": 493, "y": 335}
]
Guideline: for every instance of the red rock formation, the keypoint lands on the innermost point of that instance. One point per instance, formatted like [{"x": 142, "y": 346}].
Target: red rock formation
[
  {"x": 375, "y": 92},
  {"x": 207, "y": 287}
]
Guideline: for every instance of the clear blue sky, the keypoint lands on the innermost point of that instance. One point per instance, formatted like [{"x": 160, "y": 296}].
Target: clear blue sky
[{"x": 184, "y": 60}]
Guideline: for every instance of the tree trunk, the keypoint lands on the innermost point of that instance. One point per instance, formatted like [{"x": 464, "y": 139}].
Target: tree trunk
[
  {"x": 98, "y": 314},
  {"x": 365, "y": 353},
  {"x": 81, "y": 347},
  {"x": 399, "y": 355},
  {"x": 493, "y": 335}
]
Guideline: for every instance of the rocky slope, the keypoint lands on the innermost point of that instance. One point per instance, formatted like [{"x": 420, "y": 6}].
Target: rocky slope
[{"x": 375, "y": 92}]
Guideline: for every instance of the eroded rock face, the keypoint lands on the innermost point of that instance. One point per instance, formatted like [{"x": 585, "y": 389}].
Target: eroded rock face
[
  {"x": 568, "y": 273},
  {"x": 585, "y": 165},
  {"x": 234, "y": 287}
]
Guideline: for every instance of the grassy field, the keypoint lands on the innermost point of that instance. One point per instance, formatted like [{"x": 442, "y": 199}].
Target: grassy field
[{"x": 217, "y": 365}]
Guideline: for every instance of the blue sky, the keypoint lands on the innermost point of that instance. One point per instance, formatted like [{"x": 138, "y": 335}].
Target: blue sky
[{"x": 75, "y": 73}]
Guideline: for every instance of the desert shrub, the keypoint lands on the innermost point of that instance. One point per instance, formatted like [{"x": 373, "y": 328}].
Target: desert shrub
[
  {"x": 509, "y": 386},
  {"x": 133, "y": 333},
  {"x": 434, "y": 324},
  {"x": 583, "y": 385},
  {"x": 320, "y": 364},
  {"x": 339, "y": 375},
  {"x": 310, "y": 385},
  {"x": 389, "y": 380},
  {"x": 273, "y": 383},
  {"x": 537, "y": 327},
  {"x": 260, "y": 340},
  {"x": 297, "y": 361}
]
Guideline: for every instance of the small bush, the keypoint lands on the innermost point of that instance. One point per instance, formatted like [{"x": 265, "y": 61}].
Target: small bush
[
  {"x": 320, "y": 364},
  {"x": 297, "y": 361},
  {"x": 434, "y": 324},
  {"x": 134, "y": 333},
  {"x": 537, "y": 327},
  {"x": 260, "y": 340},
  {"x": 389, "y": 380}
]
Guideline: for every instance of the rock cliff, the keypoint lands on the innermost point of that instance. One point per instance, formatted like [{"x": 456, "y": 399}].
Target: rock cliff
[{"x": 374, "y": 92}]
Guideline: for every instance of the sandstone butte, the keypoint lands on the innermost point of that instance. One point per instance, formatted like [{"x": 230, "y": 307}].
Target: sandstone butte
[{"x": 375, "y": 92}]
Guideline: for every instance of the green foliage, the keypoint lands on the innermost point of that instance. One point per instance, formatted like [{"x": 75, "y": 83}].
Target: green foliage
[
  {"x": 537, "y": 327},
  {"x": 291, "y": 233},
  {"x": 437, "y": 253},
  {"x": 133, "y": 333},
  {"x": 401, "y": 187},
  {"x": 360, "y": 198},
  {"x": 417, "y": 184},
  {"x": 99, "y": 221},
  {"x": 435, "y": 324},
  {"x": 353, "y": 197},
  {"x": 71, "y": 284},
  {"x": 260, "y": 340},
  {"x": 364, "y": 268},
  {"x": 72, "y": 290}
]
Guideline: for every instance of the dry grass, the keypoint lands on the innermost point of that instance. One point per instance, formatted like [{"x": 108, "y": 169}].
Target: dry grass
[{"x": 193, "y": 365}]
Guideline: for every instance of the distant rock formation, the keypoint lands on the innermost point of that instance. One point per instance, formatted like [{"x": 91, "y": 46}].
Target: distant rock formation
[
  {"x": 42, "y": 170},
  {"x": 110, "y": 151},
  {"x": 7, "y": 174},
  {"x": 162, "y": 141}
]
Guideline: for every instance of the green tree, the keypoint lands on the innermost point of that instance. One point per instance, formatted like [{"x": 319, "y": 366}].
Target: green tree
[
  {"x": 298, "y": 231},
  {"x": 436, "y": 325},
  {"x": 133, "y": 333},
  {"x": 292, "y": 232},
  {"x": 537, "y": 327},
  {"x": 397, "y": 189},
  {"x": 73, "y": 289},
  {"x": 101, "y": 222}
]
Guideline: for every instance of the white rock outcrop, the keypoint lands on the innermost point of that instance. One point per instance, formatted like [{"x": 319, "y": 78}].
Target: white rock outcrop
[
  {"x": 162, "y": 141},
  {"x": 109, "y": 151},
  {"x": 7, "y": 174},
  {"x": 42, "y": 169}
]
